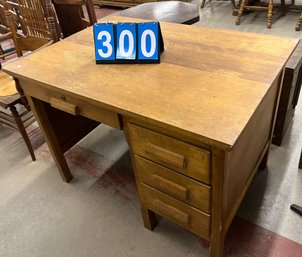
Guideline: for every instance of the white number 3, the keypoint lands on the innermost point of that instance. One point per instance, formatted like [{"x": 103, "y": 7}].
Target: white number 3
[{"x": 106, "y": 44}]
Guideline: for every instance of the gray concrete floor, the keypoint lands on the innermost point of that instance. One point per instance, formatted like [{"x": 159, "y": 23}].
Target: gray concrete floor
[{"x": 98, "y": 213}]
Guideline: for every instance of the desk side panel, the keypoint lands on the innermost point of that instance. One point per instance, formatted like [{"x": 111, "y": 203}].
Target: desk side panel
[{"x": 248, "y": 152}]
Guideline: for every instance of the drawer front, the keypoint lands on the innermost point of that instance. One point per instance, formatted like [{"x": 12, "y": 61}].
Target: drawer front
[
  {"x": 72, "y": 105},
  {"x": 174, "y": 184},
  {"x": 174, "y": 154},
  {"x": 184, "y": 215}
]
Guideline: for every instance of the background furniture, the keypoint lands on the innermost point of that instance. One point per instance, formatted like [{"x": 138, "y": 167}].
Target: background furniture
[
  {"x": 203, "y": 2},
  {"x": 125, "y": 3},
  {"x": 37, "y": 33},
  {"x": 260, "y": 6},
  {"x": 169, "y": 11},
  {"x": 72, "y": 17},
  {"x": 289, "y": 96},
  {"x": 297, "y": 208},
  {"x": 196, "y": 157},
  {"x": 38, "y": 25},
  {"x": 19, "y": 121}
]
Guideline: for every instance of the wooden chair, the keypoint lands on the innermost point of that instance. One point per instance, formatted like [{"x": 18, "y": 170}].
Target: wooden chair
[
  {"x": 38, "y": 25},
  {"x": 247, "y": 5},
  {"x": 19, "y": 121},
  {"x": 39, "y": 31},
  {"x": 169, "y": 11},
  {"x": 5, "y": 31},
  {"x": 71, "y": 15}
]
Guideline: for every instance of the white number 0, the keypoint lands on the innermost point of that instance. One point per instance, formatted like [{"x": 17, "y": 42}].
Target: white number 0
[
  {"x": 106, "y": 44},
  {"x": 122, "y": 43},
  {"x": 151, "y": 34}
]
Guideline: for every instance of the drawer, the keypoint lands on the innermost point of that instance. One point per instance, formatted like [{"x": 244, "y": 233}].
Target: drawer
[
  {"x": 174, "y": 154},
  {"x": 184, "y": 215},
  {"x": 72, "y": 104},
  {"x": 174, "y": 184}
]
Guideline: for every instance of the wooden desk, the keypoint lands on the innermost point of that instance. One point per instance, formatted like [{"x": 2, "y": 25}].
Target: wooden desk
[{"x": 198, "y": 124}]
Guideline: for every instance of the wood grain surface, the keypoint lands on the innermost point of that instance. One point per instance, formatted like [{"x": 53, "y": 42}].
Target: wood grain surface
[{"x": 208, "y": 84}]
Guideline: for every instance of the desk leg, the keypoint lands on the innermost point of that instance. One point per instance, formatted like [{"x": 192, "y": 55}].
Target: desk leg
[
  {"x": 263, "y": 163},
  {"x": 217, "y": 226},
  {"x": 150, "y": 221},
  {"x": 300, "y": 161},
  {"x": 41, "y": 115}
]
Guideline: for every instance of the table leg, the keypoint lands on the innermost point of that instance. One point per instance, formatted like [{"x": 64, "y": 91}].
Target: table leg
[{"x": 47, "y": 128}]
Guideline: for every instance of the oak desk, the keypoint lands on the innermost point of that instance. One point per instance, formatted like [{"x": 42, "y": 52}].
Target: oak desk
[{"x": 198, "y": 124}]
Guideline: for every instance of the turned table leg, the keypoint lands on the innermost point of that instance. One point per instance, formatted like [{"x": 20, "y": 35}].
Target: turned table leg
[{"x": 269, "y": 14}]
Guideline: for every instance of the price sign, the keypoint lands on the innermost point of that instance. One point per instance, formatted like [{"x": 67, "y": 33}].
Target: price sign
[{"x": 128, "y": 42}]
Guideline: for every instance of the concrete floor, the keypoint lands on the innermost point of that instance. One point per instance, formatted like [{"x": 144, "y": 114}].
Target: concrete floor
[{"x": 98, "y": 213}]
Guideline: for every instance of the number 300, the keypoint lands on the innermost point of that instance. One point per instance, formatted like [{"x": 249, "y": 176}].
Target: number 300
[{"x": 126, "y": 41}]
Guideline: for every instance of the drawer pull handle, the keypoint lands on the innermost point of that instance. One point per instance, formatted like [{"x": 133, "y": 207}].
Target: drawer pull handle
[
  {"x": 172, "y": 212},
  {"x": 64, "y": 106},
  {"x": 170, "y": 186},
  {"x": 166, "y": 156}
]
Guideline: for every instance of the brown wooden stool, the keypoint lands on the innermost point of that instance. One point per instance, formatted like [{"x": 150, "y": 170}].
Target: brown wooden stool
[{"x": 169, "y": 11}]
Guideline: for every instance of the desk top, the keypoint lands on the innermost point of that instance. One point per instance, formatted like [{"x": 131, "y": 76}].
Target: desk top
[{"x": 208, "y": 84}]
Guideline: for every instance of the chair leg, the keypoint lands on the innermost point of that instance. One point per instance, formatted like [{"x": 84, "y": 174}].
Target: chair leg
[
  {"x": 299, "y": 23},
  {"x": 241, "y": 9},
  {"x": 269, "y": 14},
  {"x": 283, "y": 7},
  {"x": 23, "y": 131},
  {"x": 203, "y": 2}
]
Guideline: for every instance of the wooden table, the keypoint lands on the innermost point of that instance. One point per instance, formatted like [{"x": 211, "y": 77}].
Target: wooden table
[
  {"x": 198, "y": 124},
  {"x": 168, "y": 11}
]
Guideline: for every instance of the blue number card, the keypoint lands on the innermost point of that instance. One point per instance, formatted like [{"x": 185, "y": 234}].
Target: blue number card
[
  {"x": 104, "y": 42},
  {"x": 128, "y": 42},
  {"x": 148, "y": 43}
]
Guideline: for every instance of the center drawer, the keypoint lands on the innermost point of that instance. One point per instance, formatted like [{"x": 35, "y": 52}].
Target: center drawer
[
  {"x": 173, "y": 183},
  {"x": 72, "y": 104},
  {"x": 172, "y": 153}
]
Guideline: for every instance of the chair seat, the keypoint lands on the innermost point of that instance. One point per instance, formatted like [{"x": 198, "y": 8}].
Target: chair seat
[
  {"x": 7, "y": 85},
  {"x": 168, "y": 11}
]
